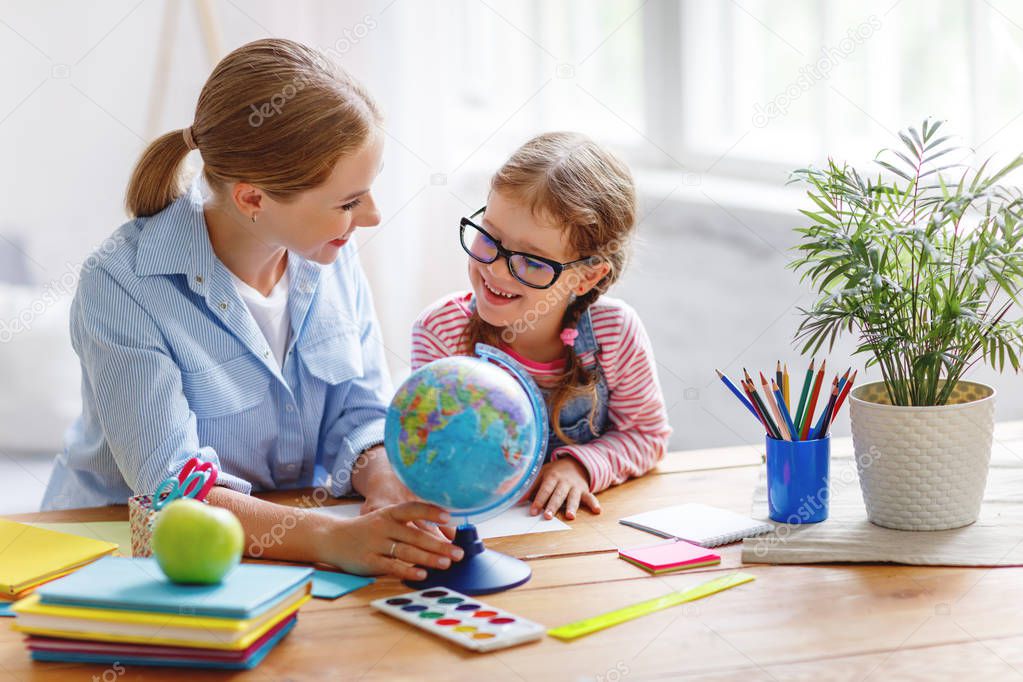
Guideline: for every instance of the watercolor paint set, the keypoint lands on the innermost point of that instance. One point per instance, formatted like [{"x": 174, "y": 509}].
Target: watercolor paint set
[{"x": 463, "y": 620}]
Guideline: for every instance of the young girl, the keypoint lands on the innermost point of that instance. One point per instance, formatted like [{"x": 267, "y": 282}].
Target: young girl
[
  {"x": 550, "y": 241},
  {"x": 223, "y": 324}
]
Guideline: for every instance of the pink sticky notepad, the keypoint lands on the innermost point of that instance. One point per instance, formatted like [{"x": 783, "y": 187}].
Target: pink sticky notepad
[{"x": 669, "y": 556}]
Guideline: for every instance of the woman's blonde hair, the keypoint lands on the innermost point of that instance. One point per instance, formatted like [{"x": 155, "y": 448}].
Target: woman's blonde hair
[
  {"x": 568, "y": 179},
  {"x": 273, "y": 113}
]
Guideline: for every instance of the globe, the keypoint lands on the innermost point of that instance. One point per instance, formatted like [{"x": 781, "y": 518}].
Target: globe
[{"x": 469, "y": 434}]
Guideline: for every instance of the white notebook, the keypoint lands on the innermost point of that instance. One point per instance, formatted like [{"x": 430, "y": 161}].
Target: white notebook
[{"x": 699, "y": 524}]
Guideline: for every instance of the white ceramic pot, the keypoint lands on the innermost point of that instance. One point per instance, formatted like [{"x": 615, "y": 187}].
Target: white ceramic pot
[{"x": 923, "y": 468}]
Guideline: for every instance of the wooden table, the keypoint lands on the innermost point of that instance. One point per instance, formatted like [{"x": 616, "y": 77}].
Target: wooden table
[{"x": 821, "y": 622}]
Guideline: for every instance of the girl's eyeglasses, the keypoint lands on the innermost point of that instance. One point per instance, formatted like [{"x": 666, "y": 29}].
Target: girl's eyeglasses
[{"x": 533, "y": 271}]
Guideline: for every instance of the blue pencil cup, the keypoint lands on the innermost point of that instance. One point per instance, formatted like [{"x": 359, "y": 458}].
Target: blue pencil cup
[{"x": 798, "y": 480}]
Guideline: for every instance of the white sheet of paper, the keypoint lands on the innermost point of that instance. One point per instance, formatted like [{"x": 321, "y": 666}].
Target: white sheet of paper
[{"x": 515, "y": 521}]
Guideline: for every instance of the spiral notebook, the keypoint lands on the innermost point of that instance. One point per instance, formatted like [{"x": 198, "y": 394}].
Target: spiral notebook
[{"x": 699, "y": 524}]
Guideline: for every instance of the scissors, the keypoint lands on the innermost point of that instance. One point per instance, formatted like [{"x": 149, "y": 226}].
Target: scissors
[{"x": 194, "y": 480}]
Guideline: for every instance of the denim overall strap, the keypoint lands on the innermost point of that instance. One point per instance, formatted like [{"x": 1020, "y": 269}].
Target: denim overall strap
[
  {"x": 585, "y": 417},
  {"x": 586, "y": 341}
]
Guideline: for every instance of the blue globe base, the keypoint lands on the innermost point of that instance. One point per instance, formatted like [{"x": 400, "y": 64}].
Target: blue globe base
[{"x": 481, "y": 571}]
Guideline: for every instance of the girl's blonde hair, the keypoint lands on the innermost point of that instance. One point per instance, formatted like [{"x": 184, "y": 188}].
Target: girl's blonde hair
[
  {"x": 273, "y": 113},
  {"x": 568, "y": 179}
]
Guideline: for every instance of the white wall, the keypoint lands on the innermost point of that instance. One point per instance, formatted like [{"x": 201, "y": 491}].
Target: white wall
[{"x": 462, "y": 83}]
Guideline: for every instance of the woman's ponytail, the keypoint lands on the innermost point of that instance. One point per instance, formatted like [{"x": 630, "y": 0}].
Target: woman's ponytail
[{"x": 158, "y": 178}]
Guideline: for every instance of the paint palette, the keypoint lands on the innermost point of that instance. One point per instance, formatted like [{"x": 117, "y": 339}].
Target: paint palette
[{"x": 465, "y": 621}]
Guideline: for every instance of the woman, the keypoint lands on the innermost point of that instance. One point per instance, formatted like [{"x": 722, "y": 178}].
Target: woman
[{"x": 231, "y": 323}]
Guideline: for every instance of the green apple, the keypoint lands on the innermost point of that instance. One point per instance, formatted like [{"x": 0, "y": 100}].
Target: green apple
[{"x": 197, "y": 543}]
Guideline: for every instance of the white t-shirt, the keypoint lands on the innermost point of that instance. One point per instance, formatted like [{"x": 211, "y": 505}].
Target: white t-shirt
[{"x": 270, "y": 313}]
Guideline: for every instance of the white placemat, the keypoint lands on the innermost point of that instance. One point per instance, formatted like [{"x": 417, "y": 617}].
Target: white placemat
[
  {"x": 514, "y": 521},
  {"x": 996, "y": 539}
]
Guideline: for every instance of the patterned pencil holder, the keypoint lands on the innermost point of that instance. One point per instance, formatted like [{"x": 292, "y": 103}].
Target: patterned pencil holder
[
  {"x": 141, "y": 517},
  {"x": 798, "y": 480}
]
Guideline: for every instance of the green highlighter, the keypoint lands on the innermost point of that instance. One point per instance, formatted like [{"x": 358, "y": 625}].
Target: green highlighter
[{"x": 606, "y": 620}]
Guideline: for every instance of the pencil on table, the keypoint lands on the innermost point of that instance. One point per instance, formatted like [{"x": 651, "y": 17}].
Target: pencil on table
[
  {"x": 808, "y": 417},
  {"x": 807, "y": 382}
]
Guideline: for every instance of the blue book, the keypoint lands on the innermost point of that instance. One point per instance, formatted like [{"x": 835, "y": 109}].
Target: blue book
[{"x": 139, "y": 585}]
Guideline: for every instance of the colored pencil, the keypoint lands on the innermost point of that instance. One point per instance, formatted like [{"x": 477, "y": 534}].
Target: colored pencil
[
  {"x": 780, "y": 378},
  {"x": 784, "y": 411},
  {"x": 808, "y": 417},
  {"x": 822, "y": 424},
  {"x": 844, "y": 378},
  {"x": 802, "y": 396},
  {"x": 771, "y": 428},
  {"x": 785, "y": 388},
  {"x": 731, "y": 387},
  {"x": 775, "y": 428},
  {"x": 749, "y": 379},
  {"x": 755, "y": 406},
  {"x": 845, "y": 392},
  {"x": 760, "y": 415},
  {"x": 774, "y": 409},
  {"x": 841, "y": 384}
]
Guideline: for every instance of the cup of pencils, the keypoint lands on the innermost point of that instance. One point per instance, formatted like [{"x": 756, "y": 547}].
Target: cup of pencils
[{"x": 798, "y": 449}]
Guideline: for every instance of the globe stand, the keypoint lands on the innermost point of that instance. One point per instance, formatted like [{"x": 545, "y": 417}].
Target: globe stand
[{"x": 481, "y": 571}]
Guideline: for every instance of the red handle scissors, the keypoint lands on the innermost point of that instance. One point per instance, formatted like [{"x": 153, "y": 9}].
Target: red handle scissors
[{"x": 195, "y": 480}]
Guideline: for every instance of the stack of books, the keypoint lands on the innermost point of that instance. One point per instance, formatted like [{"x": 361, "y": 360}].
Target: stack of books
[
  {"x": 126, "y": 611},
  {"x": 31, "y": 556}
]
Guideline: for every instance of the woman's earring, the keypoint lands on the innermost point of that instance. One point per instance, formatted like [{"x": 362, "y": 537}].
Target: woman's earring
[{"x": 253, "y": 217}]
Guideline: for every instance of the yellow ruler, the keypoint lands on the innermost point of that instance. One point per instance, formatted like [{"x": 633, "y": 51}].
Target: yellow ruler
[{"x": 606, "y": 620}]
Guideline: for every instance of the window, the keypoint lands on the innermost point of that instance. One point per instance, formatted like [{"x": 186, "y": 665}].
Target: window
[{"x": 772, "y": 84}]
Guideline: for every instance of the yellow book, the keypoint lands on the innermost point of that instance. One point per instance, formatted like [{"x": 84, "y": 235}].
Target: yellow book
[
  {"x": 30, "y": 556},
  {"x": 145, "y": 627}
]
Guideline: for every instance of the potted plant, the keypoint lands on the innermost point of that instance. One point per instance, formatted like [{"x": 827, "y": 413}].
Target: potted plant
[{"x": 923, "y": 262}]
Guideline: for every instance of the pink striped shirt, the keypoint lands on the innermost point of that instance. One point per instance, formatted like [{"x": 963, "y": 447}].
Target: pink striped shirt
[{"x": 638, "y": 433}]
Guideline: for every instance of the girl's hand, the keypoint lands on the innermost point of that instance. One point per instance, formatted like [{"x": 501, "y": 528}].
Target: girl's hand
[
  {"x": 388, "y": 541},
  {"x": 563, "y": 482}
]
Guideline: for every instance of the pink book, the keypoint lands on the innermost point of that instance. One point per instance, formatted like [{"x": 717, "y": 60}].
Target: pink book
[{"x": 674, "y": 555}]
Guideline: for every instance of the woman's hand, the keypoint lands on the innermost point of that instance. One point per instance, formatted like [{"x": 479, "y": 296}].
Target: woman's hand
[
  {"x": 387, "y": 490},
  {"x": 388, "y": 541},
  {"x": 383, "y": 541},
  {"x": 381, "y": 488},
  {"x": 563, "y": 482}
]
